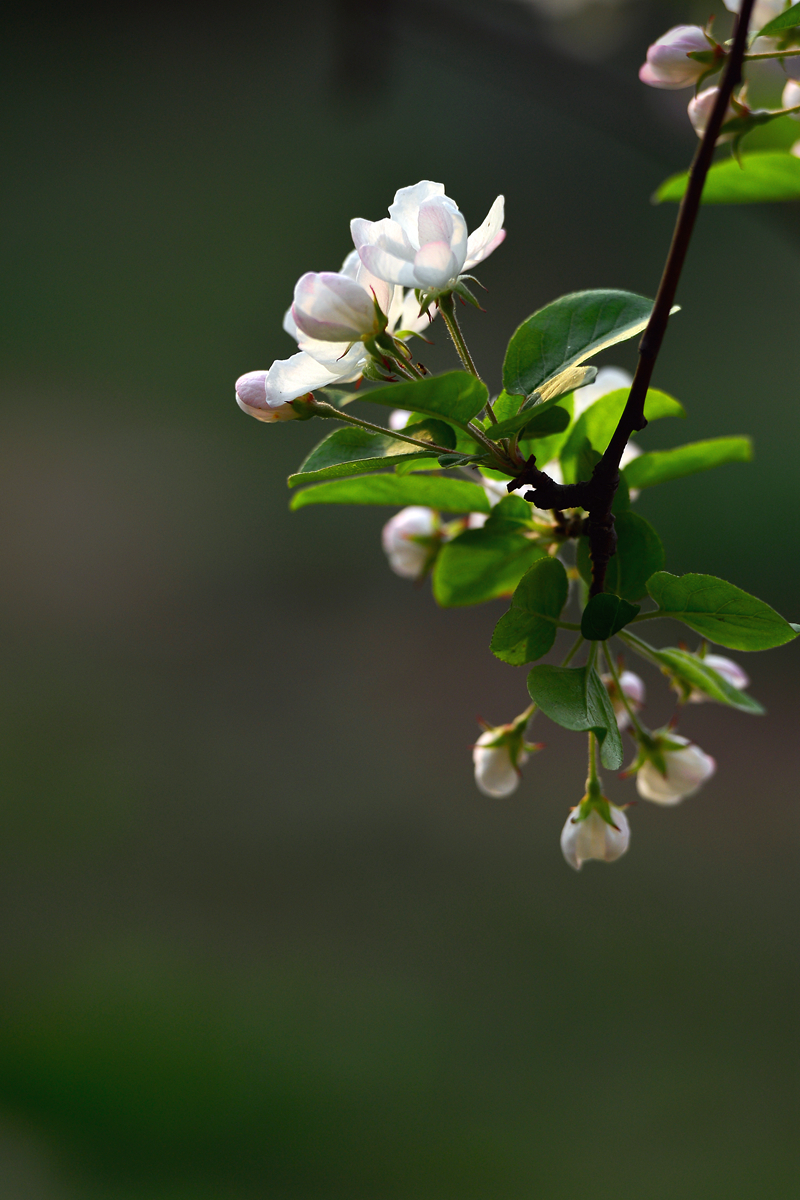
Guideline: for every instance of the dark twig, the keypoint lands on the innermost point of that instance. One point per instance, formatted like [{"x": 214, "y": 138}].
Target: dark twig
[{"x": 597, "y": 494}]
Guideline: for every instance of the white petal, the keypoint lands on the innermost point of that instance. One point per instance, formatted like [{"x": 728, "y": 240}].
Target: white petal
[
  {"x": 332, "y": 308},
  {"x": 435, "y": 265},
  {"x": 494, "y": 772},
  {"x": 289, "y": 325},
  {"x": 289, "y": 378},
  {"x": 408, "y": 558},
  {"x": 388, "y": 266},
  {"x": 407, "y": 203},
  {"x": 487, "y": 237},
  {"x": 350, "y": 265}
]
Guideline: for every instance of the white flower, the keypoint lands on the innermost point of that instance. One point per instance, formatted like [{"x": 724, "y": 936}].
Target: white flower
[
  {"x": 667, "y": 63},
  {"x": 686, "y": 770},
  {"x": 701, "y": 107},
  {"x": 495, "y": 773},
  {"x": 255, "y": 397},
  {"x": 735, "y": 675},
  {"x": 592, "y": 837},
  {"x": 608, "y": 379},
  {"x": 424, "y": 243},
  {"x": 408, "y": 557},
  {"x": 763, "y": 10},
  {"x": 334, "y": 308},
  {"x": 633, "y": 687},
  {"x": 791, "y": 98},
  {"x": 398, "y": 418}
]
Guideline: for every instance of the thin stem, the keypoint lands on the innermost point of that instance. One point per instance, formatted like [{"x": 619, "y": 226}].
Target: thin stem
[
  {"x": 592, "y": 781},
  {"x": 573, "y": 651},
  {"x": 649, "y": 616},
  {"x": 448, "y": 310},
  {"x": 647, "y": 652},
  {"x": 612, "y": 666},
  {"x": 772, "y": 54},
  {"x": 327, "y": 410}
]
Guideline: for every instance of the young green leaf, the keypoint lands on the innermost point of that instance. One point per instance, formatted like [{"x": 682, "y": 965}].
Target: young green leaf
[
  {"x": 523, "y": 418},
  {"x": 719, "y": 611},
  {"x": 481, "y": 564},
  {"x": 660, "y": 466},
  {"x": 763, "y": 176},
  {"x": 598, "y": 422},
  {"x": 576, "y": 698},
  {"x": 605, "y": 615},
  {"x": 697, "y": 674},
  {"x": 567, "y": 332},
  {"x": 512, "y": 512},
  {"x": 785, "y": 20},
  {"x": 457, "y": 396},
  {"x": 433, "y": 491},
  {"x": 354, "y": 451},
  {"x": 528, "y": 629},
  {"x": 639, "y": 555}
]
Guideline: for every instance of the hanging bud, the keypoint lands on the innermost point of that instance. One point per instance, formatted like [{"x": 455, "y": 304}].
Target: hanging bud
[
  {"x": 668, "y": 63},
  {"x": 632, "y": 687},
  {"x": 499, "y": 753},
  {"x": 670, "y": 768},
  {"x": 701, "y": 107},
  {"x": 411, "y": 540},
  {"x": 735, "y": 675},
  {"x": 595, "y": 829}
]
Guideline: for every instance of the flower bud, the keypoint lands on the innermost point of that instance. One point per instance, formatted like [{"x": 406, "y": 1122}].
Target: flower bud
[
  {"x": 496, "y": 763},
  {"x": 252, "y": 396},
  {"x": 735, "y": 675},
  {"x": 334, "y": 308},
  {"x": 409, "y": 541},
  {"x": 589, "y": 834},
  {"x": 791, "y": 98},
  {"x": 633, "y": 687},
  {"x": 674, "y": 769},
  {"x": 701, "y": 107},
  {"x": 667, "y": 63}
]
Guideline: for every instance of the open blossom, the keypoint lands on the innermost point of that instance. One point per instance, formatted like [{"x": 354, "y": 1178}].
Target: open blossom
[
  {"x": 424, "y": 242},
  {"x": 735, "y": 675},
  {"x": 407, "y": 555},
  {"x": 667, "y": 63},
  {"x": 633, "y": 687},
  {"x": 592, "y": 837},
  {"x": 497, "y": 765},
  {"x": 701, "y": 107},
  {"x": 687, "y": 769}
]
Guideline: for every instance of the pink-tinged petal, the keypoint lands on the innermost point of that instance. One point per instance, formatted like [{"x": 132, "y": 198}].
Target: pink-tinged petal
[
  {"x": 342, "y": 360},
  {"x": 289, "y": 378},
  {"x": 488, "y": 236},
  {"x": 332, "y": 308},
  {"x": 387, "y": 266},
  {"x": 350, "y": 265},
  {"x": 435, "y": 265},
  {"x": 289, "y": 325},
  {"x": 407, "y": 203},
  {"x": 384, "y": 292},
  {"x": 648, "y": 76},
  {"x": 435, "y": 224}
]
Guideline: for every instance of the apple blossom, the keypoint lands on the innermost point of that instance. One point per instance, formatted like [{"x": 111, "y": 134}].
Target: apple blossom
[
  {"x": 701, "y": 107},
  {"x": 335, "y": 308},
  {"x": 791, "y": 98},
  {"x": 632, "y": 687},
  {"x": 423, "y": 244},
  {"x": 763, "y": 10},
  {"x": 591, "y": 836},
  {"x": 255, "y": 397},
  {"x": 668, "y": 64},
  {"x": 409, "y": 541},
  {"x": 730, "y": 671},
  {"x": 495, "y": 773},
  {"x": 686, "y": 768}
]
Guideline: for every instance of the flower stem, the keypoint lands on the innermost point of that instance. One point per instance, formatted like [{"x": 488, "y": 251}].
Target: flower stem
[
  {"x": 448, "y": 310},
  {"x": 772, "y": 54},
  {"x": 327, "y": 410},
  {"x": 576, "y": 647},
  {"x": 612, "y": 666}
]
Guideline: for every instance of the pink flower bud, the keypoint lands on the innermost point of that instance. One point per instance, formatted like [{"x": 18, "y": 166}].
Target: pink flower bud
[
  {"x": 735, "y": 675},
  {"x": 251, "y": 396},
  {"x": 592, "y": 837},
  {"x": 687, "y": 769},
  {"x": 333, "y": 308},
  {"x": 667, "y": 64},
  {"x": 701, "y": 107},
  {"x": 408, "y": 556},
  {"x": 633, "y": 687}
]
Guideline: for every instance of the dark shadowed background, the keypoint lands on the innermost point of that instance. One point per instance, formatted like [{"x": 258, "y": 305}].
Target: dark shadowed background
[{"x": 261, "y": 936}]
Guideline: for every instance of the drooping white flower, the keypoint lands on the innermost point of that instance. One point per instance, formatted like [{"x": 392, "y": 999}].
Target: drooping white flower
[
  {"x": 424, "y": 242},
  {"x": 590, "y": 836},
  {"x": 496, "y": 766},
  {"x": 735, "y": 675},
  {"x": 667, "y": 64},
  {"x": 255, "y": 397},
  {"x": 791, "y": 98},
  {"x": 686, "y": 769},
  {"x": 407, "y": 555},
  {"x": 700, "y": 108},
  {"x": 608, "y": 379},
  {"x": 633, "y": 687}
]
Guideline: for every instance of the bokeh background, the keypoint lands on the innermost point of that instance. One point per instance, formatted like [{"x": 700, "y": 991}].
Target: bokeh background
[{"x": 261, "y": 936}]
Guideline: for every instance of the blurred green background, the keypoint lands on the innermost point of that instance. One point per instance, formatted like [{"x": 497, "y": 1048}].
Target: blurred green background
[{"x": 261, "y": 936}]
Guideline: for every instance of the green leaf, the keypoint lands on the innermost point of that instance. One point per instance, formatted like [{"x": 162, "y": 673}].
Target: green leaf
[
  {"x": 639, "y": 555},
  {"x": 446, "y": 495},
  {"x": 546, "y": 449},
  {"x": 567, "y": 332},
  {"x": 785, "y": 20},
  {"x": 520, "y": 419},
  {"x": 481, "y": 564},
  {"x": 605, "y": 615},
  {"x": 719, "y": 611},
  {"x": 512, "y": 512},
  {"x": 662, "y": 465},
  {"x": 576, "y": 698},
  {"x": 598, "y": 422},
  {"x": 697, "y": 674},
  {"x": 528, "y": 629},
  {"x": 457, "y": 396},
  {"x": 763, "y": 176},
  {"x": 353, "y": 451}
]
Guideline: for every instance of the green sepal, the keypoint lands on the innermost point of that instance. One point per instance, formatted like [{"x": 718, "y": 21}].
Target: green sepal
[
  {"x": 720, "y": 611},
  {"x": 576, "y": 698},
  {"x": 605, "y": 615},
  {"x": 527, "y": 631},
  {"x": 662, "y": 466},
  {"x": 639, "y": 555}
]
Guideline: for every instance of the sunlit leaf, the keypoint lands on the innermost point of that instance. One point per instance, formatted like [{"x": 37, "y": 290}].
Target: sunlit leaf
[
  {"x": 457, "y": 396},
  {"x": 433, "y": 491},
  {"x": 662, "y": 465},
  {"x": 764, "y": 175},
  {"x": 720, "y": 611},
  {"x": 355, "y": 451}
]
